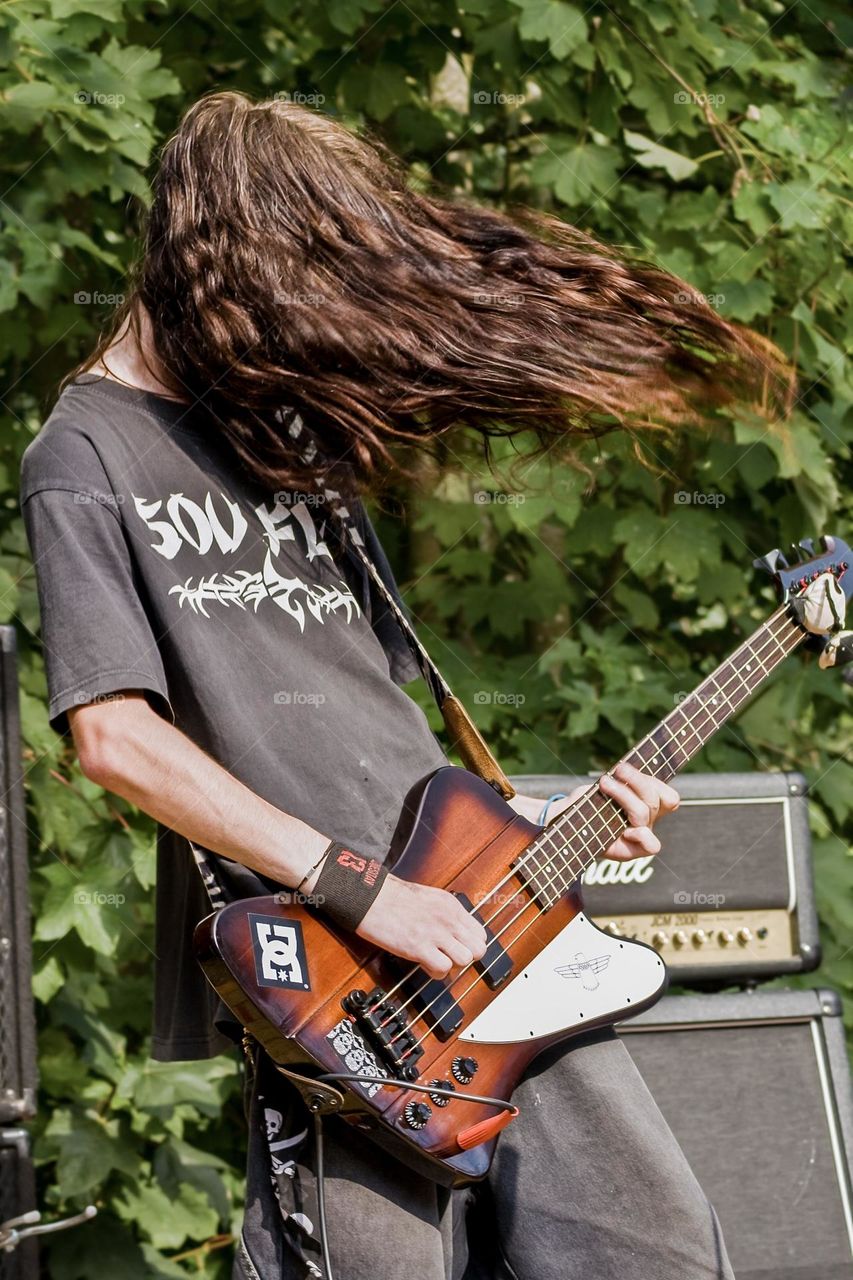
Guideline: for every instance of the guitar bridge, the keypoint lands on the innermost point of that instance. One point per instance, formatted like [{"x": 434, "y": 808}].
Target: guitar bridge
[{"x": 386, "y": 1027}]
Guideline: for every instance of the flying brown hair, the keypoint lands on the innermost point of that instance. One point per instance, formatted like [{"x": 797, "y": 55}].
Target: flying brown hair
[{"x": 287, "y": 263}]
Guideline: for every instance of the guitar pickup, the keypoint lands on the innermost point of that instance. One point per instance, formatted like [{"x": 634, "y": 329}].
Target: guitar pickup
[
  {"x": 432, "y": 998},
  {"x": 494, "y": 966}
]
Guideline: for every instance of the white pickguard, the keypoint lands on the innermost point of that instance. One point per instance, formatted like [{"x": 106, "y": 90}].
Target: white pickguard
[{"x": 581, "y": 977}]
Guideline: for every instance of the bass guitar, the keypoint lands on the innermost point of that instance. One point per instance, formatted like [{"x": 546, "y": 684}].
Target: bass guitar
[{"x": 428, "y": 1067}]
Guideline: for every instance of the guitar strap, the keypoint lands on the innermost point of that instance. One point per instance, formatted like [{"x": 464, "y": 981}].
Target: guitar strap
[{"x": 463, "y": 733}]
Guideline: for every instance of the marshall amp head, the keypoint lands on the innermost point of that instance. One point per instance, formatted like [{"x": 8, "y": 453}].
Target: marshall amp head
[{"x": 730, "y": 894}]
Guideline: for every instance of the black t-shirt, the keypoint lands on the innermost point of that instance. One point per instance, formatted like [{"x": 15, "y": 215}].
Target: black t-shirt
[{"x": 162, "y": 568}]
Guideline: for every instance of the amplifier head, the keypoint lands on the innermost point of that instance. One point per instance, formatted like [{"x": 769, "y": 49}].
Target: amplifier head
[{"x": 730, "y": 895}]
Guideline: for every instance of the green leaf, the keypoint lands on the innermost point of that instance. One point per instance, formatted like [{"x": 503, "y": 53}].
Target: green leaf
[
  {"x": 562, "y": 25},
  {"x": 111, "y": 10},
  {"x": 578, "y": 174},
  {"x": 25, "y": 103},
  {"x": 651, "y": 155},
  {"x": 48, "y": 979},
  {"x": 752, "y": 206},
  {"x": 87, "y": 1151},
  {"x": 799, "y": 204},
  {"x": 168, "y": 1220}
]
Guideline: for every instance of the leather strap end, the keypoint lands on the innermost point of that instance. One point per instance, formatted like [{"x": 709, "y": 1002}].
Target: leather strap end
[{"x": 472, "y": 748}]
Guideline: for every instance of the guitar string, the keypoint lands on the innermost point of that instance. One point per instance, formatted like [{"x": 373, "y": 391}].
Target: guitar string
[
  {"x": 766, "y": 634},
  {"x": 798, "y": 637},
  {"x": 538, "y": 842},
  {"x": 595, "y": 835}
]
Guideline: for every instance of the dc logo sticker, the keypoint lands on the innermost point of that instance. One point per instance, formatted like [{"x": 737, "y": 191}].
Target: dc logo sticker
[{"x": 279, "y": 953}]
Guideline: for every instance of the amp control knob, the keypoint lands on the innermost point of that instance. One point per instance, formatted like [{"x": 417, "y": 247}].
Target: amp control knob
[
  {"x": 416, "y": 1114},
  {"x": 726, "y": 937},
  {"x": 680, "y": 938},
  {"x": 613, "y": 929},
  {"x": 744, "y": 936},
  {"x": 700, "y": 937},
  {"x": 659, "y": 939},
  {"x": 464, "y": 1069}
]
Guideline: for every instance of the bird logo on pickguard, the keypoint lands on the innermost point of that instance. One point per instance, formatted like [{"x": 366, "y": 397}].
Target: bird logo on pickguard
[{"x": 586, "y": 970}]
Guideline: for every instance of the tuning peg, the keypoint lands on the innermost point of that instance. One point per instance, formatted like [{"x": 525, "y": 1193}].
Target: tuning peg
[
  {"x": 771, "y": 563},
  {"x": 807, "y": 545}
]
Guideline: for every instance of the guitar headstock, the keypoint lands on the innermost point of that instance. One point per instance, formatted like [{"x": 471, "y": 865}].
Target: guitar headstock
[{"x": 817, "y": 587}]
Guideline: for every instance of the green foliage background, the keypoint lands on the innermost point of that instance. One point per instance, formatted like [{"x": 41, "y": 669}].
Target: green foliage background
[{"x": 710, "y": 135}]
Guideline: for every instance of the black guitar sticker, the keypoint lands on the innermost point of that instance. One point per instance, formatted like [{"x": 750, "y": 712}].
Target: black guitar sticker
[{"x": 279, "y": 953}]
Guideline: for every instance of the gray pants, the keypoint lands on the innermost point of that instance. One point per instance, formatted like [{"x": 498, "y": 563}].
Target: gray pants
[{"x": 588, "y": 1183}]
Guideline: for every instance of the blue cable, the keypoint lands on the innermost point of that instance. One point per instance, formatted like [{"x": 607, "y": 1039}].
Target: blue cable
[{"x": 559, "y": 795}]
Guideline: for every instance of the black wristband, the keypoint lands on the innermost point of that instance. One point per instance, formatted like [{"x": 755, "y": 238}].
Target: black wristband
[{"x": 347, "y": 885}]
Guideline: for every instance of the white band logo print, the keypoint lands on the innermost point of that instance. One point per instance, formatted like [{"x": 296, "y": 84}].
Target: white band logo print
[{"x": 217, "y": 528}]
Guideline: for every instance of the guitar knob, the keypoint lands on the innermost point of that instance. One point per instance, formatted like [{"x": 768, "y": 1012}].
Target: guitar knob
[
  {"x": 464, "y": 1069},
  {"x": 441, "y": 1099},
  {"x": 416, "y": 1114}
]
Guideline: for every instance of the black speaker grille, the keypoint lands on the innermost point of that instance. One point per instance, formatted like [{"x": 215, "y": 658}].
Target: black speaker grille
[
  {"x": 17, "y": 1196},
  {"x": 17, "y": 1028},
  {"x": 748, "y": 1106}
]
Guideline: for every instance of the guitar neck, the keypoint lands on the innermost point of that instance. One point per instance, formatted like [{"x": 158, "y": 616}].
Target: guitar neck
[{"x": 583, "y": 833}]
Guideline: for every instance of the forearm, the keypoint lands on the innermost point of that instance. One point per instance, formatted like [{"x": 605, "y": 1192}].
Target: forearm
[
  {"x": 526, "y": 806},
  {"x": 160, "y": 770}
]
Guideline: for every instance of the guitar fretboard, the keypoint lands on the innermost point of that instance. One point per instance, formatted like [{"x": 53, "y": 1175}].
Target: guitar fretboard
[{"x": 579, "y": 836}]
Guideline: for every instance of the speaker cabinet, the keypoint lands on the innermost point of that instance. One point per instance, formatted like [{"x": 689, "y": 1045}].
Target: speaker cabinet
[
  {"x": 17, "y": 1196},
  {"x": 756, "y": 1087},
  {"x": 17, "y": 1025}
]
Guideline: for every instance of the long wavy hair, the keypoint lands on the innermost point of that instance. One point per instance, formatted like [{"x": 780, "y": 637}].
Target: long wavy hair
[{"x": 287, "y": 264}]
